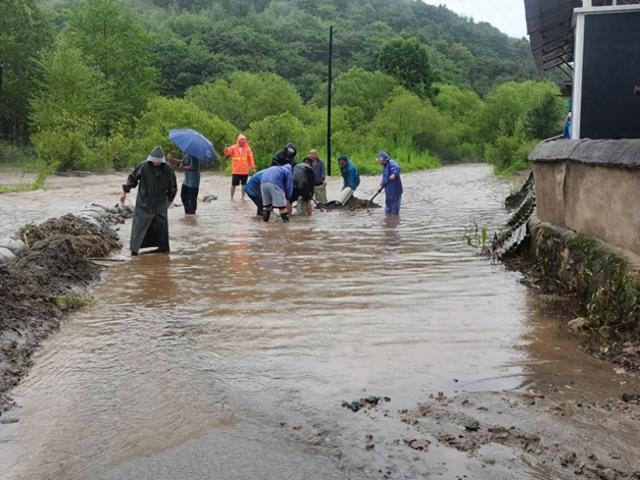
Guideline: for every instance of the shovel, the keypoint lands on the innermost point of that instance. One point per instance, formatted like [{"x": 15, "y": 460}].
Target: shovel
[
  {"x": 316, "y": 204},
  {"x": 377, "y": 193}
]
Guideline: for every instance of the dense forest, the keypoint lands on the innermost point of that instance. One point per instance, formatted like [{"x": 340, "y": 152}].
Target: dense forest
[{"x": 94, "y": 84}]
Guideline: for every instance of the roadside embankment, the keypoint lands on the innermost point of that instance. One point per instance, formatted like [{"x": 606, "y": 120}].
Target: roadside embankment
[
  {"x": 45, "y": 271},
  {"x": 605, "y": 279}
]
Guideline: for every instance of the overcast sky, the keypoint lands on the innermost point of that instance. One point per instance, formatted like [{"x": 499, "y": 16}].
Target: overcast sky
[{"x": 506, "y": 15}]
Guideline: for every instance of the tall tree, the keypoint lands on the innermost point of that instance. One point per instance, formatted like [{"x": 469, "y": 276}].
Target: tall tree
[
  {"x": 112, "y": 39},
  {"x": 24, "y": 32},
  {"x": 408, "y": 62}
]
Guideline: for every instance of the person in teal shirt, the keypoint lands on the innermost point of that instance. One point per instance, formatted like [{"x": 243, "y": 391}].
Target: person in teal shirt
[{"x": 350, "y": 173}]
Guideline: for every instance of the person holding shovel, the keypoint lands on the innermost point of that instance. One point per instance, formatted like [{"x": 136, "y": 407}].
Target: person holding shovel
[
  {"x": 350, "y": 177},
  {"x": 391, "y": 183}
]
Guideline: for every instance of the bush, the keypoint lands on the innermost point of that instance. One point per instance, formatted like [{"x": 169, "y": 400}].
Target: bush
[
  {"x": 271, "y": 134},
  {"x": 508, "y": 154},
  {"x": 16, "y": 155}
]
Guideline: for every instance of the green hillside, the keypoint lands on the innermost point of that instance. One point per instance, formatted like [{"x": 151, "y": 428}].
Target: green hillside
[{"x": 96, "y": 83}]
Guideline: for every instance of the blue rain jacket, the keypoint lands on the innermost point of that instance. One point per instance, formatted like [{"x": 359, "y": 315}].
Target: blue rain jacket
[
  {"x": 350, "y": 175},
  {"x": 281, "y": 177},
  {"x": 392, "y": 188},
  {"x": 252, "y": 188}
]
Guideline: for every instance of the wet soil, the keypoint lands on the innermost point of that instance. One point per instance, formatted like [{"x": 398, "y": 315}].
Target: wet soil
[{"x": 43, "y": 282}]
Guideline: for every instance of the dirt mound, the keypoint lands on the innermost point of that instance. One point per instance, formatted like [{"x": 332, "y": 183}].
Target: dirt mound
[
  {"x": 42, "y": 281},
  {"x": 68, "y": 226},
  {"x": 352, "y": 204}
]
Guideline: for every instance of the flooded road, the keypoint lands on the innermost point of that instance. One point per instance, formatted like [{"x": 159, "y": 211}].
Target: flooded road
[{"x": 230, "y": 357}]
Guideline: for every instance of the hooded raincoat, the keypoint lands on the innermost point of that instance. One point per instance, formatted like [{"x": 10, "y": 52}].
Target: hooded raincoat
[
  {"x": 156, "y": 188},
  {"x": 392, "y": 188},
  {"x": 241, "y": 155},
  {"x": 281, "y": 177},
  {"x": 303, "y": 182},
  {"x": 350, "y": 175},
  {"x": 252, "y": 188},
  {"x": 283, "y": 157}
]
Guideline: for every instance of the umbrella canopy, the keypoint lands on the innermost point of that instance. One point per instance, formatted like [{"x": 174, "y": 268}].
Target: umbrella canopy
[{"x": 193, "y": 143}]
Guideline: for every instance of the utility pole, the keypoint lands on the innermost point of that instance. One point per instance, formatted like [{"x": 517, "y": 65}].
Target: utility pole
[{"x": 329, "y": 100}]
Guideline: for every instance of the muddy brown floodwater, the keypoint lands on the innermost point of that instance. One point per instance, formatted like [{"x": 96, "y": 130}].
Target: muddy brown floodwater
[{"x": 230, "y": 358}]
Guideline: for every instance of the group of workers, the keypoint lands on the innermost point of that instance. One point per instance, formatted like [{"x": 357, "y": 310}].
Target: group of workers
[{"x": 278, "y": 187}]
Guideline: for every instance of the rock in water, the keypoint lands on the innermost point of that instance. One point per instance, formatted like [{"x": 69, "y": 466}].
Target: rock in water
[
  {"x": 6, "y": 255},
  {"x": 16, "y": 246},
  {"x": 577, "y": 323}
]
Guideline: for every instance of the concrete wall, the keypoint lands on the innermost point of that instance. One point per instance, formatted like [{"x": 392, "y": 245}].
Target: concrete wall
[{"x": 595, "y": 193}]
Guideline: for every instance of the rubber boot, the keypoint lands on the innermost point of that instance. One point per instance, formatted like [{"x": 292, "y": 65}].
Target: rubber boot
[
  {"x": 260, "y": 212},
  {"x": 265, "y": 215},
  {"x": 285, "y": 217}
]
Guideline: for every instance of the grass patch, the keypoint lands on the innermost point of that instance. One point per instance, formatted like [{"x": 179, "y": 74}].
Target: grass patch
[
  {"x": 37, "y": 184},
  {"x": 68, "y": 302}
]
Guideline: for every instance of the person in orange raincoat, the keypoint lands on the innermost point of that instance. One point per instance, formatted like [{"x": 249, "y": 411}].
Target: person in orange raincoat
[{"x": 242, "y": 163}]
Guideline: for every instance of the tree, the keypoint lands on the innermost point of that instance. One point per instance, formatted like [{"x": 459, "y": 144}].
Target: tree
[
  {"x": 505, "y": 108},
  {"x": 164, "y": 114},
  {"x": 543, "y": 118},
  {"x": 365, "y": 90},
  {"x": 70, "y": 88},
  {"x": 407, "y": 120},
  {"x": 24, "y": 32},
  {"x": 272, "y": 133},
  {"x": 247, "y": 97},
  {"x": 181, "y": 64},
  {"x": 408, "y": 62},
  {"x": 113, "y": 40},
  {"x": 67, "y": 113}
]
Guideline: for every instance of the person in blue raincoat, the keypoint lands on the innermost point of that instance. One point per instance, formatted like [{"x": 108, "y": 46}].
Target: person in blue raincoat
[
  {"x": 566, "y": 133},
  {"x": 276, "y": 189},
  {"x": 252, "y": 189},
  {"x": 391, "y": 182}
]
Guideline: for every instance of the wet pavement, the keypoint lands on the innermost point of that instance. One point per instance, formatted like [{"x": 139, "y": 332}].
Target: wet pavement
[{"x": 230, "y": 357}]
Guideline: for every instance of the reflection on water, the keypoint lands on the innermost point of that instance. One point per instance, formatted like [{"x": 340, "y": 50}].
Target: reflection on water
[{"x": 253, "y": 321}]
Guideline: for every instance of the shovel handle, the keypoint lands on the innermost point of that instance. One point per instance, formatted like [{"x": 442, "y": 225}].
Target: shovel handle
[
  {"x": 316, "y": 203},
  {"x": 377, "y": 193}
]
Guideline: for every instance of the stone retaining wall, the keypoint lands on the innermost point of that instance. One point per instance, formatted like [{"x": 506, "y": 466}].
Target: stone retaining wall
[{"x": 591, "y": 187}]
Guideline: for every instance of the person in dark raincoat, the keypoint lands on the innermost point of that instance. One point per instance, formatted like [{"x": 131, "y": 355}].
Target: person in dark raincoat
[
  {"x": 304, "y": 179},
  {"x": 286, "y": 156},
  {"x": 156, "y": 182},
  {"x": 391, "y": 182},
  {"x": 252, "y": 189},
  {"x": 276, "y": 188}
]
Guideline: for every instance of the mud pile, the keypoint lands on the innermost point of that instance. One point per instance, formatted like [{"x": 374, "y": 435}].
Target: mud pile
[
  {"x": 51, "y": 275},
  {"x": 352, "y": 204}
]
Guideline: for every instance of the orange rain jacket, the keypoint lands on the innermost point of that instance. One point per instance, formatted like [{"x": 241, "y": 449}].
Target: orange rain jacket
[{"x": 241, "y": 157}]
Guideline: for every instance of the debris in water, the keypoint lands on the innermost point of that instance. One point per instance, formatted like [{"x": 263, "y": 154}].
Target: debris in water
[
  {"x": 631, "y": 398},
  {"x": 368, "y": 402},
  {"x": 418, "y": 444}
]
